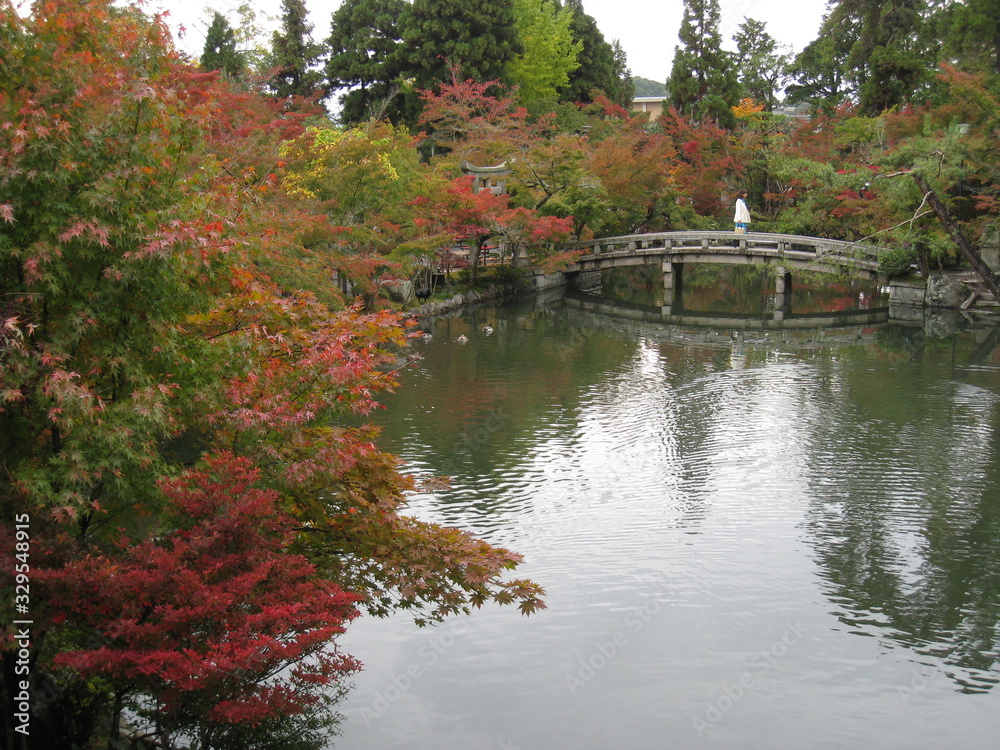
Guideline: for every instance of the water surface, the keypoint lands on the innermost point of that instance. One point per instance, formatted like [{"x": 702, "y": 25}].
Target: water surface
[{"x": 750, "y": 537}]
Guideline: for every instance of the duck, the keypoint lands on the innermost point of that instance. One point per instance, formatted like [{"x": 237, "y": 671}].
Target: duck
[
  {"x": 487, "y": 330},
  {"x": 462, "y": 339}
]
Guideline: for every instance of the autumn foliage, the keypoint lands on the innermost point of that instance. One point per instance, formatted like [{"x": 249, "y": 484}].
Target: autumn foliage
[
  {"x": 184, "y": 377},
  {"x": 183, "y": 391},
  {"x": 205, "y": 616}
]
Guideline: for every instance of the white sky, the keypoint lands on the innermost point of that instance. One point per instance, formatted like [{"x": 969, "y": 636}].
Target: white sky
[{"x": 647, "y": 29}]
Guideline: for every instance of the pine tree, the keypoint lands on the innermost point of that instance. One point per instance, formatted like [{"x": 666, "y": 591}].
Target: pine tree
[
  {"x": 624, "y": 91},
  {"x": 363, "y": 44},
  {"x": 702, "y": 84},
  {"x": 294, "y": 54},
  {"x": 220, "y": 48},
  {"x": 970, "y": 31},
  {"x": 883, "y": 54},
  {"x": 818, "y": 74}
]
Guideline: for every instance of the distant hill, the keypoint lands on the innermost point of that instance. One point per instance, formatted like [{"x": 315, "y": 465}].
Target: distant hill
[{"x": 648, "y": 87}]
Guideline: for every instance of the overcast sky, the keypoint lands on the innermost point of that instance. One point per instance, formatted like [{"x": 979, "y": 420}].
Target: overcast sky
[{"x": 647, "y": 29}]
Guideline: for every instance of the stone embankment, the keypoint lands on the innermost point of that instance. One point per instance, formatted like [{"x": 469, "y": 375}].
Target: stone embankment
[
  {"x": 955, "y": 291},
  {"x": 536, "y": 282}
]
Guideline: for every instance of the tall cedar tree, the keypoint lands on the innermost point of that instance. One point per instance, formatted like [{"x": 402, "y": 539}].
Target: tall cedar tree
[
  {"x": 970, "y": 32},
  {"x": 294, "y": 54},
  {"x": 363, "y": 44},
  {"x": 598, "y": 69},
  {"x": 818, "y": 75},
  {"x": 479, "y": 38},
  {"x": 892, "y": 58},
  {"x": 760, "y": 67},
  {"x": 703, "y": 83},
  {"x": 220, "y": 51}
]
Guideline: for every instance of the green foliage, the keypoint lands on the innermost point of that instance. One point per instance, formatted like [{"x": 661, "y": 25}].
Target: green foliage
[
  {"x": 251, "y": 38},
  {"x": 220, "y": 48},
  {"x": 548, "y": 50},
  {"x": 504, "y": 275},
  {"x": 759, "y": 65},
  {"x": 818, "y": 74},
  {"x": 703, "y": 84},
  {"x": 364, "y": 43},
  {"x": 598, "y": 69},
  {"x": 892, "y": 55},
  {"x": 623, "y": 91},
  {"x": 882, "y": 54},
  {"x": 860, "y": 134},
  {"x": 294, "y": 53},
  {"x": 896, "y": 261},
  {"x": 970, "y": 33},
  {"x": 90, "y": 362},
  {"x": 481, "y": 39},
  {"x": 358, "y": 174}
]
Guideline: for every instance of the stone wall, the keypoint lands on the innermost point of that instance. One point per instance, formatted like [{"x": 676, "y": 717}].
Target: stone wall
[
  {"x": 538, "y": 282},
  {"x": 940, "y": 292}
]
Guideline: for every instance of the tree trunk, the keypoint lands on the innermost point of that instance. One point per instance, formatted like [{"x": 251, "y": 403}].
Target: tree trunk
[
  {"x": 971, "y": 254},
  {"x": 474, "y": 251}
]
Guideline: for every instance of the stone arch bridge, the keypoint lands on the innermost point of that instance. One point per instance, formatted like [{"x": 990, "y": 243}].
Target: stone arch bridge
[{"x": 782, "y": 252}]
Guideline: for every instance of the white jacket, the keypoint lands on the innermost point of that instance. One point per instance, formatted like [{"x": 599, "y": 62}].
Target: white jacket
[{"x": 742, "y": 213}]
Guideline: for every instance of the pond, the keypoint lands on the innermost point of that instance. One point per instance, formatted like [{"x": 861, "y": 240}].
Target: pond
[{"x": 751, "y": 536}]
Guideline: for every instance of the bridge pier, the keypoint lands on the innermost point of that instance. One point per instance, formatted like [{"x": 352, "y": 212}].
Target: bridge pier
[
  {"x": 673, "y": 280},
  {"x": 782, "y": 292}
]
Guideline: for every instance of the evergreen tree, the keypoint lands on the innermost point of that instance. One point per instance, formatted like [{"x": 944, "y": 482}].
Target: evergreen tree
[
  {"x": 294, "y": 54},
  {"x": 893, "y": 56},
  {"x": 363, "y": 45},
  {"x": 759, "y": 66},
  {"x": 597, "y": 70},
  {"x": 702, "y": 84},
  {"x": 479, "y": 38},
  {"x": 624, "y": 91},
  {"x": 818, "y": 74},
  {"x": 970, "y": 31},
  {"x": 220, "y": 51}
]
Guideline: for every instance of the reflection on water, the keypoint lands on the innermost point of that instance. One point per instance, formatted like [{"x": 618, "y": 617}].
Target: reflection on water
[
  {"x": 747, "y": 290},
  {"x": 750, "y": 537}
]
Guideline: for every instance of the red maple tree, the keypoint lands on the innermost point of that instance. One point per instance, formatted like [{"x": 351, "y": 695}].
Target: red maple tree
[{"x": 211, "y": 624}]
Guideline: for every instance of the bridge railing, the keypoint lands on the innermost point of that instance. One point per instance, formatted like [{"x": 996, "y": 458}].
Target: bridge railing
[{"x": 764, "y": 242}]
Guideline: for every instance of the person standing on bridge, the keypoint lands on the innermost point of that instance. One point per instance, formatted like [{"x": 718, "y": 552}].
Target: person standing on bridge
[{"x": 742, "y": 217}]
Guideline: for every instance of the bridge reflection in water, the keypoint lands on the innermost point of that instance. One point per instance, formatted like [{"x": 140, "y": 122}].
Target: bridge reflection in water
[{"x": 674, "y": 323}]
